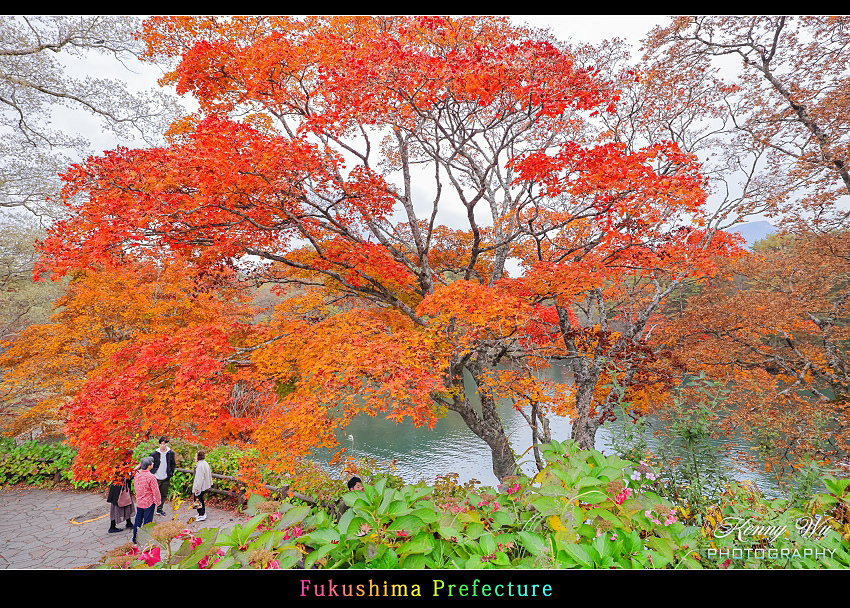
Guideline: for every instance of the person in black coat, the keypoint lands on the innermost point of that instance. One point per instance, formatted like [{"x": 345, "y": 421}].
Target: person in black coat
[
  {"x": 119, "y": 508},
  {"x": 163, "y": 472}
]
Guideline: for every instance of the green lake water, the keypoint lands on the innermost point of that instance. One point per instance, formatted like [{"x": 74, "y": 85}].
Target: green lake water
[{"x": 422, "y": 453}]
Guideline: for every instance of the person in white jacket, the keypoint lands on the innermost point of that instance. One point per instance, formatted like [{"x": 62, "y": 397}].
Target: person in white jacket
[{"x": 202, "y": 483}]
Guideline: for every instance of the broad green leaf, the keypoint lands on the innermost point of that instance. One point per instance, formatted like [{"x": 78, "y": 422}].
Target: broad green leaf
[
  {"x": 487, "y": 543},
  {"x": 224, "y": 563},
  {"x": 323, "y": 536},
  {"x": 503, "y": 517},
  {"x": 657, "y": 560},
  {"x": 474, "y": 530},
  {"x": 602, "y": 545},
  {"x": 293, "y": 516},
  {"x": 663, "y": 546},
  {"x": 579, "y": 554},
  {"x": 585, "y": 482},
  {"x": 421, "y": 543},
  {"x": 409, "y": 523},
  {"x": 414, "y": 561},
  {"x": 387, "y": 500},
  {"x": 606, "y": 515},
  {"x": 318, "y": 554},
  {"x": 449, "y": 533},
  {"x": 592, "y": 497},
  {"x": 475, "y": 563},
  {"x": 551, "y": 489},
  {"x": 429, "y": 516},
  {"x": 610, "y": 473},
  {"x": 345, "y": 520},
  {"x": 398, "y": 508},
  {"x": 546, "y": 505},
  {"x": 533, "y": 543}
]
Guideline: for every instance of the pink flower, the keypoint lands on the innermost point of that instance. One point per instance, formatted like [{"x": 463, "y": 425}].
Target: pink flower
[
  {"x": 651, "y": 518},
  {"x": 151, "y": 557},
  {"x": 495, "y": 506},
  {"x": 273, "y": 565},
  {"x": 622, "y": 496},
  {"x": 195, "y": 541},
  {"x": 293, "y": 532},
  {"x": 514, "y": 488}
]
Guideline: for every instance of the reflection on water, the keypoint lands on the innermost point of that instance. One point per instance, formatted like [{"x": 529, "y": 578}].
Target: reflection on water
[{"x": 422, "y": 454}]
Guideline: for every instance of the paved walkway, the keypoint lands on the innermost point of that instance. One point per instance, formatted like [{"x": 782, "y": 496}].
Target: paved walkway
[{"x": 60, "y": 529}]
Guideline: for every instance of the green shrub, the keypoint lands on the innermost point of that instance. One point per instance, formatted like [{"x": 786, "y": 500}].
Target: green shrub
[{"x": 36, "y": 463}]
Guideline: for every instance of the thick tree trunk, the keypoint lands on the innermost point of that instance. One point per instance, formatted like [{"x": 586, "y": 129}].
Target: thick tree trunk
[
  {"x": 488, "y": 426},
  {"x": 492, "y": 433},
  {"x": 584, "y": 427}
]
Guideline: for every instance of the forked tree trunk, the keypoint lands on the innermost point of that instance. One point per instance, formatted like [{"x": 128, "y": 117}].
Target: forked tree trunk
[{"x": 488, "y": 426}]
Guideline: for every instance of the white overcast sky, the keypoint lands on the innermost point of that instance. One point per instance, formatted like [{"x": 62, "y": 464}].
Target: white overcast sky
[
  {"x": 595, "y": 28},
  {"x": 579, "y": 28},
  {"x": 592, "y": 29}
]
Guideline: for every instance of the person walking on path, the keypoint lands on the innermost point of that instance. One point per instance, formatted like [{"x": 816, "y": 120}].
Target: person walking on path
[
  {"x": 147, "y": 495},
  {"x": 122, "y": 507},
  {"x": 202, "y": 483},
  {"x": 164, "y": 464}
]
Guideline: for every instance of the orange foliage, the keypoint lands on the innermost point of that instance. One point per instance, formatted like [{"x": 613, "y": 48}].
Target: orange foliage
[
  {"x": 75, "y": 367},
  {"x": 387, "y": 309},
  {"x": 774, "y": 325}
]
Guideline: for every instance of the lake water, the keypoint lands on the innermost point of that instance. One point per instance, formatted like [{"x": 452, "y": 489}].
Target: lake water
[{"x": 422, "y": 454}]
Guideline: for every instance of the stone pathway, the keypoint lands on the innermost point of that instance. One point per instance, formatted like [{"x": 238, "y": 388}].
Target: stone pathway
[{"x": 60, "y": 529}]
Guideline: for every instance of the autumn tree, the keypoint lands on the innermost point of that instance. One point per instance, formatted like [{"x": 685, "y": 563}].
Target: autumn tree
[
  {"x": 330, "y": 153},
  {"x": 109, "y": 320},
  {"x": 608, "y": 301},
  {"x": 772, "y": 322},
  {"x": 22, "y": 301},
  {"x": 791, "y": 104},
  {"x": 773, "y": 326},
  {"x": 35, "y": 52}
]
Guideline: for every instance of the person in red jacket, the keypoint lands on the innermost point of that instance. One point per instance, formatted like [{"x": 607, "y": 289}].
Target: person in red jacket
[{"x": 147, "y": 495}]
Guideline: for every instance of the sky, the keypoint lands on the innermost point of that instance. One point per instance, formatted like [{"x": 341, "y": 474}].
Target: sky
[
  {"x": 595, "y": 28},
  {"x": 580, "y": 28},
  {"x": 592, "y": 29}
]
